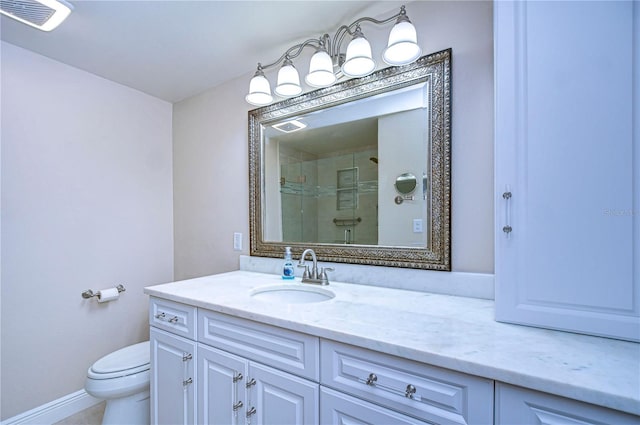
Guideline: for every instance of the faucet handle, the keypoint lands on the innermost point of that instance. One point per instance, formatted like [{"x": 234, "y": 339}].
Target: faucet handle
[
  {"x": 323, "y": 274},
  {"x": 305, "y": 274}
]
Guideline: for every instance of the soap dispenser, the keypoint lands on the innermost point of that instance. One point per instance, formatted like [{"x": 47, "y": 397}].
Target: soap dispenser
[{"x": 288, "y": 271}]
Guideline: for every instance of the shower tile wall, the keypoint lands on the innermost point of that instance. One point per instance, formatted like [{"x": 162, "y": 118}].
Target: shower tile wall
[{"x": 309, "y": 197}]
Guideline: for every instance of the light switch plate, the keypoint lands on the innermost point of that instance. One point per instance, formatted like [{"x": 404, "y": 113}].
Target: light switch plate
[{"x": 237, "y": 241}]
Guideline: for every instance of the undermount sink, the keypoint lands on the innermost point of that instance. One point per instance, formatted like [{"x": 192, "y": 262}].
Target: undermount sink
[{"x": 292, "y": 294}]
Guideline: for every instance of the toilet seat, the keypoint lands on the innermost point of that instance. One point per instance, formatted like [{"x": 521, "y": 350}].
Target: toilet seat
[{"x": 124, "y": 362}]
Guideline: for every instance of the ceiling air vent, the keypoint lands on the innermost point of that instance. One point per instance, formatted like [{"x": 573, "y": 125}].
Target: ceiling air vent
[{"x": 42, "y": 14}]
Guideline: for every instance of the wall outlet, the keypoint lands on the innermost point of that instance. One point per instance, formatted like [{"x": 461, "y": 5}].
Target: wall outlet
[
  {"x": 417, "y": 225},
  {"x": 237, "y": 241}
]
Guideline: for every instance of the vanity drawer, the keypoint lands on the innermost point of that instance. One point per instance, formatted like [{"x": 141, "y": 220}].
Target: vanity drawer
[
  {"x": 337, "y": 408},
  {"x": 179, "y": 319},
  {"x": 426, "y": 392},
  {"x": 282, "y": 349}
]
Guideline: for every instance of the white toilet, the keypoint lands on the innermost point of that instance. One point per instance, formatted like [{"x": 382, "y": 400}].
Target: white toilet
[{"x": 122, "y": 379}]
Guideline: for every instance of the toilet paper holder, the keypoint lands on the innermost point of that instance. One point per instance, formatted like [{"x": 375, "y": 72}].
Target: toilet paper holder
[{"x": 89, "y": 293}]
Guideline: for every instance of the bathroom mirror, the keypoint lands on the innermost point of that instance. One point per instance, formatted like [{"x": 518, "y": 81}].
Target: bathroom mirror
[
  {"x": 323, "y": 169},
  {"x": 406, "y": 183}
]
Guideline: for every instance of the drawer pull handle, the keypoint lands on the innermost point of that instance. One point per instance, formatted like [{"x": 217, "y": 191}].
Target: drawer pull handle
[
  {"x": 237, "y": 406},
  {"x": 371, "y": 380},
  {"x": 251, "y": 383},
  {"x": 251, "y": 411},
  {"x": 238, "y": 377},
  {"x": 162, "y": 316},
  {"x": 507, "y": 229},
  {"x": 410, "y": 391},
  {"x": 186, "y": 357},
  {"x": 187, "y": 382}
]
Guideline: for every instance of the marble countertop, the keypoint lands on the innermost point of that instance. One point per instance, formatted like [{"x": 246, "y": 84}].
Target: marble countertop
[{"x": 448, "y": 331}]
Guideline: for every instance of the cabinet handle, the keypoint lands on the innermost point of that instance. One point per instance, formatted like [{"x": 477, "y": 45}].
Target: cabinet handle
[
  {"x": 251, "y": 383},
  {"x": 163, "y": 315},
  {"x": 237, "y": 405},
  {"x": 371, "y": 380},
  {"x": 251, "y": 411},
  {"x": 507, "y": 229},
  {"x": 187, "y": 382},
  {"x": 186, "y": 357},
  {"x": 238, "y": 377},
  {"x": 410, "y": 391}
]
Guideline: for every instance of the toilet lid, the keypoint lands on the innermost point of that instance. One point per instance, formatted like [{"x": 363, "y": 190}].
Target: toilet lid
[{"x": 126, "y": 361}]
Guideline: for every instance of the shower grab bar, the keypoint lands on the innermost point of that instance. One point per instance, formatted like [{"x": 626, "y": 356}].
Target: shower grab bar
[{"x": 346, "y": 221}]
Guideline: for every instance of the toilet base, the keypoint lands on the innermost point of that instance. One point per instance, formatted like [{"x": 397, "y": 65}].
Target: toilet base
[{"x": 131, "y": 410}]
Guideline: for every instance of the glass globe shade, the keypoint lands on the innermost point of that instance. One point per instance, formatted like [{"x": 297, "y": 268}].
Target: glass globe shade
[
  {"x": 320, "y": 70},
  {"x": 358, "y": 61},
  {"x": 259, "y": 90},
  {"x": 402, "y": 47},
  {"x": 288, "y": 80}
]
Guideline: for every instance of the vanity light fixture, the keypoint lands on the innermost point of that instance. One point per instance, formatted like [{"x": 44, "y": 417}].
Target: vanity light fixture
[
  {"x": 45, "y": 15},
  {"x": 327, "y": 63}
]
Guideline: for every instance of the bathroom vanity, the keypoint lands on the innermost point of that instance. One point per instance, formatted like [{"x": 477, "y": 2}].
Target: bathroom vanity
[{"x": 363, "y": 354}]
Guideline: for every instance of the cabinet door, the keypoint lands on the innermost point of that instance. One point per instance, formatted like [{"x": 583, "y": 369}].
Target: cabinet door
[
  {"x": 221, "y": 387},
  {"x": 280, "y": 398},
  {"x": 566, "y": 148},
  {"x": 340, "y": 409},
  {"x": 516, "y": 405},
  {"x": 173, "y": 367}
]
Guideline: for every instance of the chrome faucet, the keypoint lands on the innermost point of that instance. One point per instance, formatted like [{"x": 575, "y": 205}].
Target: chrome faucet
[{"x": 313, "y": 276}]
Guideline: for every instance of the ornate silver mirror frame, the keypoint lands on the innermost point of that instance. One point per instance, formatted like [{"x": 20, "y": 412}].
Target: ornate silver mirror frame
[{"x": 435, "y": 71}]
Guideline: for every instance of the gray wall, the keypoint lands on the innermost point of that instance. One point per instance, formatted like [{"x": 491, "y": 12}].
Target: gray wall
[
  {"x": 87, "y": 203},
  {"x": 211, "y": 148}
]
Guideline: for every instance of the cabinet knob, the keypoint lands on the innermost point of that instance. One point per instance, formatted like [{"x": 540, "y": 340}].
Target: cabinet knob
[
  {"x": 186, "y": 357},
  {"x": 159, "y": 316},
  {"x": 410, "y": 391},
  {"x": 237, "y": 405},
  {"x": 187, "y": 382},
  {"x": 174, "y": 319},
  {"x": 251, "y": 411},
  {"x": 372, "y": 379},
  {"x": 251, "y": 383},
  {"x": 238, "y": 377}
]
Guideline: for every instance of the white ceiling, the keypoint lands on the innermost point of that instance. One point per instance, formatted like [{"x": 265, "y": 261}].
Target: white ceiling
[{"x": 176, "y": 49}]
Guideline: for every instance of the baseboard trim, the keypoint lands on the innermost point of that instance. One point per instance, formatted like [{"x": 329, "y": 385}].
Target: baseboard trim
[{"x": 54, "y": 411}]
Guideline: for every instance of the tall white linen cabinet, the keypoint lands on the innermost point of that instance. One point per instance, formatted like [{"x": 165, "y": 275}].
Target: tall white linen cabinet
[{"x": 567, "y": 165}]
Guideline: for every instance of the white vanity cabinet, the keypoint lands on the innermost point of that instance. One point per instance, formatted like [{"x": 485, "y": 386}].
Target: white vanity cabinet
[
  {"x": 237, "y": 383},
  {"x": 233, "y": 390},
  {"x": 428, "y": 393},
  {"x": 528, "y": 407},
  {"x": 221, "y": 384},
  {"x": 567, "y": 164},
  {"x": 173, "y": 376},
  {"x": 173, "y": 362},
  {"x": 339, "y": 408}
]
